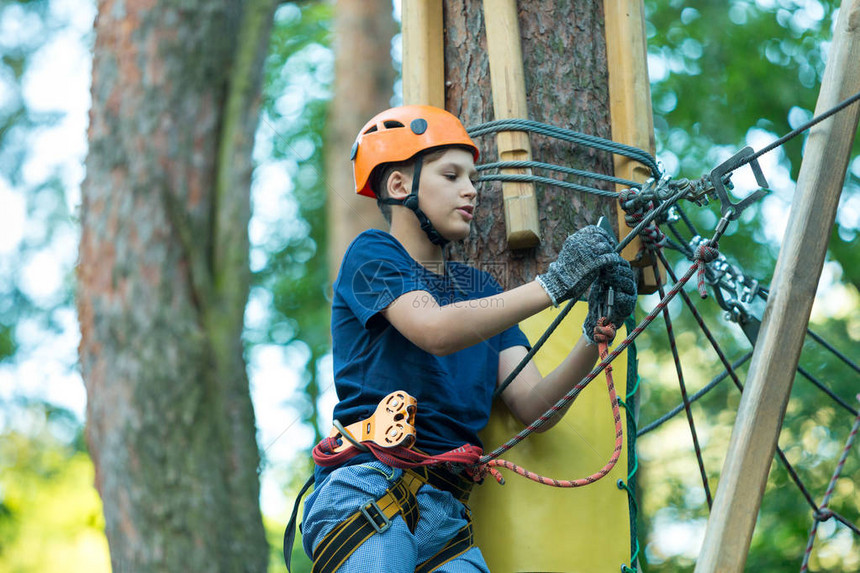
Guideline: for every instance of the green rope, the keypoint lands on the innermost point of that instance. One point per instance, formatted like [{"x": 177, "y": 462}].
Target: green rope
[
  {"x": 559, "y": 168},
  {"x": 548, "y": 181},
  {"x": 629, "y": 404},
  {"x": 635, "y": 388}
]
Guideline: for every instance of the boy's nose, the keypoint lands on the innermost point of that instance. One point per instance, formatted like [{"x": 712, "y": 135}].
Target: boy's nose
[{"x": 469, "y": 190}]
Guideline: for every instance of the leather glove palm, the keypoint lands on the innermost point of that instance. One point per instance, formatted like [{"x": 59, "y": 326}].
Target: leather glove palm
[{"x": 583, "y": 255}]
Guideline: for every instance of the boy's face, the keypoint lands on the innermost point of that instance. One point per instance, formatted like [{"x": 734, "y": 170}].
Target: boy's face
[{"x": 447, "y": 193}]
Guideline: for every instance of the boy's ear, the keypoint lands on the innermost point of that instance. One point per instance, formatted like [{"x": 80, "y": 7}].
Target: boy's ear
[{"x": 399, "y": 186}]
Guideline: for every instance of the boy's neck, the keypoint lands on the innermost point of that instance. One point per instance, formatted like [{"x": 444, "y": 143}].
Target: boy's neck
[{"x": 416, "y": 242}]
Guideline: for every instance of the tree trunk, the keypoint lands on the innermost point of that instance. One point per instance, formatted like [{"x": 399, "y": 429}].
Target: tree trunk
[
  {"x": 363, "y": 86},
  {"x": 163, "y": 281},
  {"x": 566, "y": 86}
]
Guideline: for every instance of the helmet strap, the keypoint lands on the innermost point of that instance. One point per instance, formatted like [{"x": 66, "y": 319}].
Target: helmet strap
[{"x": 411, "y": 203}]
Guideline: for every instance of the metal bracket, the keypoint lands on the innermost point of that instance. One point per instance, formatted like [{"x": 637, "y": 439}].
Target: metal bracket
[
  {"x": 749, "y": 317},
  {"x": 720, "y": 177}
]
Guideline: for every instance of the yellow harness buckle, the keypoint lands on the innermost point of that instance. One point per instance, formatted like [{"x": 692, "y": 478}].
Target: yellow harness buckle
[{"x": 391, "y": 425}]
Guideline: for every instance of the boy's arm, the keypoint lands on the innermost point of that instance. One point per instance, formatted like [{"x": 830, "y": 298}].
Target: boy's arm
[
  {"x": 442, "y": 330},
  {"x": 530, "y": 395}
]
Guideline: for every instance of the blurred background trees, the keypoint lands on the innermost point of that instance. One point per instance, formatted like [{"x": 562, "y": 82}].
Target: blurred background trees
[{"x": 724, "y": 75}]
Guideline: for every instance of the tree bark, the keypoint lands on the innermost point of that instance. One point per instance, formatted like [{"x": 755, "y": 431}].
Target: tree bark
[
  {"x": 363, "y": 86},
  {"x": 163, "y": 280},
  {"x": 566, "y": 86}
]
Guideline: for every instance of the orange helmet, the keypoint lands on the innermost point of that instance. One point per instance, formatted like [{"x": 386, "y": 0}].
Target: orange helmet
[{"x": 399, "y": 133}]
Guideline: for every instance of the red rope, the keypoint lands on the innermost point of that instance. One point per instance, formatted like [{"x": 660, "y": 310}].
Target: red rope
[
  {"x": 465, "y": 458},
  {"x": 603, "y": 333},
  {"x": 706, "y": 253}
]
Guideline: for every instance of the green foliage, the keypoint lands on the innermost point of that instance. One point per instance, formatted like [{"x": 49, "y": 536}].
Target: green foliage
[
  {"x": 7, "y": 342},
  {"x": 50, "y": 513},
  {"x": 294, "y": 275},
  {"x": 275, "y": 533}
]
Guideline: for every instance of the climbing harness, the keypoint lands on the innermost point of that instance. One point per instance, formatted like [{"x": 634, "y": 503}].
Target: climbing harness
[
  {"x": 389, "y": 434},
  {"x": 375, "y": 517}
]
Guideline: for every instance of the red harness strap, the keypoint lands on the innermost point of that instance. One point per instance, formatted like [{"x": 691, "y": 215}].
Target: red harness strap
[{"x": 325, "y": 455}]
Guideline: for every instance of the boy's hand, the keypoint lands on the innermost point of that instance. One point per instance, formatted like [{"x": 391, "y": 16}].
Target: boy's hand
[
  {"x": 621, "y": 279},
  {"x": 583, "y": 255}
]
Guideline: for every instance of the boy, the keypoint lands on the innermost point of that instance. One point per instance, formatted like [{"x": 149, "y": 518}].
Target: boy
[{"x": 446, "y": 333}]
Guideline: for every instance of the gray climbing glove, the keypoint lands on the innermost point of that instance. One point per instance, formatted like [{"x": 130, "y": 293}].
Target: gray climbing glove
[
  {"x": 583, "y": 255},
  {"x": 620, "y": 278}
]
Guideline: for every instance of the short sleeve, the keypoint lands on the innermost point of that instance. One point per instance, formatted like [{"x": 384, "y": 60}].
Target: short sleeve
[
  {"x": 375, "y": 271},
  {"x": 513, "y": 337}
]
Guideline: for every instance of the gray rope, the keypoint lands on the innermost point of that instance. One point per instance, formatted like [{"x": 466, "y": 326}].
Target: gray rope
[
  {"x": 568, "y": 135},
  {"x": 548, "y": 181},
  {"x": 550, "y": 167}
]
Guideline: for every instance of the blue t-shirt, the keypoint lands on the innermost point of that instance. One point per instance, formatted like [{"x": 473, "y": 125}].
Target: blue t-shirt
[{"x": 372, "y": 359}]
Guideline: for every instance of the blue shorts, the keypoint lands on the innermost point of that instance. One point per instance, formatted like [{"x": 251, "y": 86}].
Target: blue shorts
[{"x": 395, "y": 550}]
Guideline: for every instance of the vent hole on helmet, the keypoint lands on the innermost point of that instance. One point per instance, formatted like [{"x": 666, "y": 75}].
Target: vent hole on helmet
[{"x": 391, "y": 123}]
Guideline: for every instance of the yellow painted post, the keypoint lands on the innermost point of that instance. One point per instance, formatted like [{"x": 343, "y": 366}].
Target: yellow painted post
[{"x": 525, "y": 526}]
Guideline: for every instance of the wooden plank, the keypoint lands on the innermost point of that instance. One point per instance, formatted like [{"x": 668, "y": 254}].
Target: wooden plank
[
  {"x": 509, "y": 102},
  {"x": 772, "y": 370},
  {"x": 630, "y": 109},
  {"x": 423, "y": 53}
]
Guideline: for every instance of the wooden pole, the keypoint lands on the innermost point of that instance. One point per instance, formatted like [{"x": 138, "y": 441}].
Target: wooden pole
[
  {"x": 630, "y": 109},
  {"x": 423, "y": 53},
  {"x": 509, "y": 102},
  {"x": 774, "y": 362}
]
